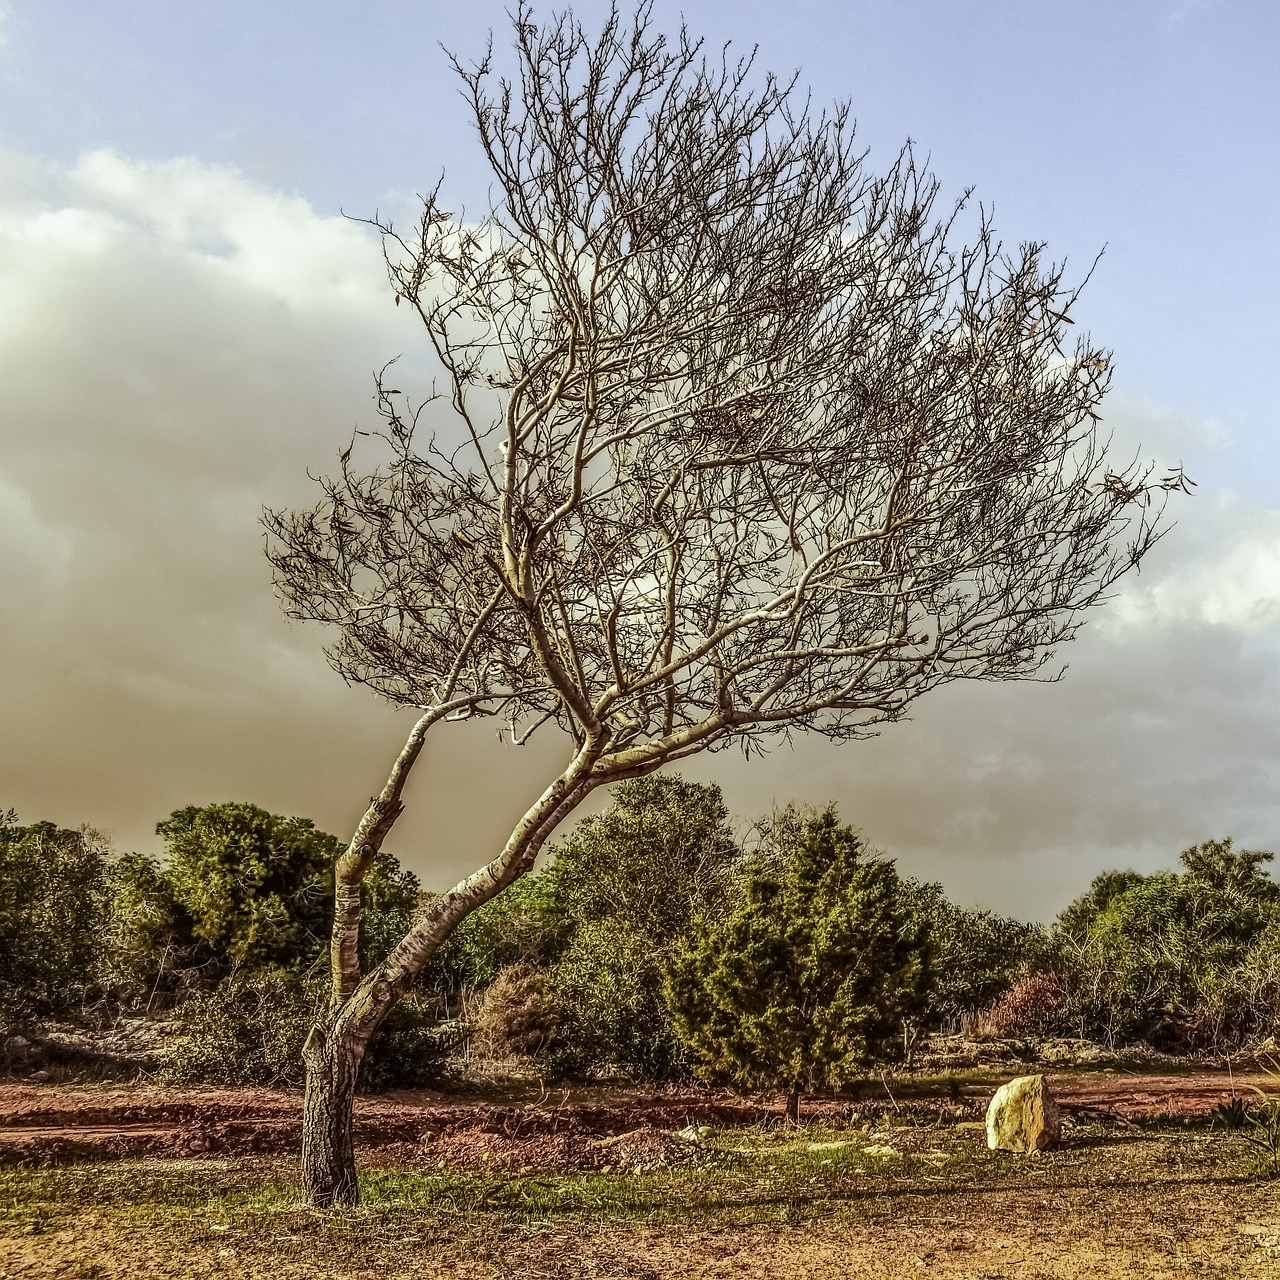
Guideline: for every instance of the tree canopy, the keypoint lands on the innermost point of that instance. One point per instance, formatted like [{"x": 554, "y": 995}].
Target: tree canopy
[
  {"x": 734, "y": 437},
  {"x": 52, "y": 894}
]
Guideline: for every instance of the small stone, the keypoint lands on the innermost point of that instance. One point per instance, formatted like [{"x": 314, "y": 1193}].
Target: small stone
[
  {"x": 694, "y": 1133},
  {"x": 1023, "y": 1116}
]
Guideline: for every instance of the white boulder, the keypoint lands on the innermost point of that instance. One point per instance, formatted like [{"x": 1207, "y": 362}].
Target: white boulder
[{"x": 1023, "y": 1116}]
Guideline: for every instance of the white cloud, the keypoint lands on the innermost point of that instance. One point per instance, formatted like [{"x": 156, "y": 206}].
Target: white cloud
[
  {"x": 177, "y": 346},
  {"x": 1223, "y": 571},
  {"x": 211, "y": 216}
]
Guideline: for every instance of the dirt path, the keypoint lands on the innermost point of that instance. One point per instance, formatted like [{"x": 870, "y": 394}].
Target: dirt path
[{"x": 55, "y": 1123}]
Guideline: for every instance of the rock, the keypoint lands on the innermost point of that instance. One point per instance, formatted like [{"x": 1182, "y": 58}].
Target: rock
[
  {"x": 1023, "y": 1116},
  {"x": 694, "y": 1133},
  {"x": 17, "y": 1048}
]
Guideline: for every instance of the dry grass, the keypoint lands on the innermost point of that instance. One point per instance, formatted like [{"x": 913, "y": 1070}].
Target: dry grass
[{"x": 818, "y": 1202}]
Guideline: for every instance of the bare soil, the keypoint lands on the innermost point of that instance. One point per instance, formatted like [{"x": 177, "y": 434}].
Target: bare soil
[{"x": 44, "y": 1124}]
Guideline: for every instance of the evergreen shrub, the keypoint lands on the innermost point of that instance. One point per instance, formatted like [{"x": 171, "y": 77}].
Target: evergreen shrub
[{"x": 815, "y": 973}]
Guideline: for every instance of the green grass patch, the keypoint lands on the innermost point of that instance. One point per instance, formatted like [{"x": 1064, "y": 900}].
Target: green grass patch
[{"x": 739, "y": 1177}]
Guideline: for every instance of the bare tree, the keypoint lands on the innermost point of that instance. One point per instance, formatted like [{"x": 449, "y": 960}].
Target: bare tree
[{"x": 746, "y": 440}]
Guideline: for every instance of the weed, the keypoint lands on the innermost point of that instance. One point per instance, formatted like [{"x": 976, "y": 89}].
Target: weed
[
  {"x": 1230, "y": 1115},
  {"x": 1263, "y": 1131}
]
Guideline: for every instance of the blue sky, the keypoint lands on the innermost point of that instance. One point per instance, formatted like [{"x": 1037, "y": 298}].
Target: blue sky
[{"x": 186, "y": 325}]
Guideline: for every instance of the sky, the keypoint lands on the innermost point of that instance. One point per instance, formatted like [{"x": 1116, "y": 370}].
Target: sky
[{"x": 188, "y": 323}]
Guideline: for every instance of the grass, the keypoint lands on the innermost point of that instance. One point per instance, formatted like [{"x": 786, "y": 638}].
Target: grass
[
  {"x": 748, "y": 1191},
  {"x": 739, "y": 1177}
]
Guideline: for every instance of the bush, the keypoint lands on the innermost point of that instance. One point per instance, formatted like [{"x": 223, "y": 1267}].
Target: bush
[
  {"x": 51, "y": 897},
  {"x": 1076, "y": 921},
  {"x": 975, "y": 956},
  {"x": 242, "y": 890},
  {"x": 250, "y": 1029},
  {"x": 1175, "y": 958},
  {"x": 1035, "y": 1005},
  {"x": 610, "y": 985},
  {"x": 525, "y": 924},
  {"x": 813, "y": 975},
  {"x": 1245, "y": 1005},
  {"x": 255, "y": 887},
  {"x": 518, "y": 1015},
  {"x": 629, "y": 885},
  {"x": 411, "y": 1050},
  {"x": 148, "y": 947}
]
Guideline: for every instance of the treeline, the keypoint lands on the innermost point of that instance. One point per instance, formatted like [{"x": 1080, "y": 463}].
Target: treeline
[
  {"x": 658, "y": 942},
  {"x": 1184, "y": 960}
]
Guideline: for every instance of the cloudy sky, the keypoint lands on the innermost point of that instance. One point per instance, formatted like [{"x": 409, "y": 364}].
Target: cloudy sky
[{"x": 187, "y": 324}]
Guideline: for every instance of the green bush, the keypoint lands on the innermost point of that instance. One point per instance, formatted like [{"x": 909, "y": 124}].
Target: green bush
[
  {"x": 1175, "y": 958},
  {"x": 629, "y": 884},
  {"x": 1075, "y": 922},
  {"x": 247, "y": 1030},
  {"x": 250, "y": 1029},
  {"x": 256, "y": 887},
  {"x": 975, "y": 956},
  {"x": 1245, "y": 1004},
  {"x": 813, "y": 974},
  {"x": 609, "y": 984},
  {"x": 411, "y": 1050},
  {"x": 241, "y": 890},
  {"x": 237, "y": 920},
  {"x": 148, "y": 947},
  {"x": 52, "y": 887},
  {"x": 524, "y": 924}
]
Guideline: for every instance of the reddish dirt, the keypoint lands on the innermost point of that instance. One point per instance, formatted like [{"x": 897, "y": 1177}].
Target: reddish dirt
[
  {"x": 51, "y": 1124},
  {"x": 591, "y": 1128},
  {"x": 1142, "y": 1098}
]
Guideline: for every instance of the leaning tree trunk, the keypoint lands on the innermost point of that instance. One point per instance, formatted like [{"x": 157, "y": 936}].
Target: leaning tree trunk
[
  {"x": 336, "y": 1046},
  {"x": 332, "y": 1060}
]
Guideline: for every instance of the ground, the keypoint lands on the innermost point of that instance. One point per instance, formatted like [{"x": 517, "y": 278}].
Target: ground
[{"x": 113, "y": 1181}]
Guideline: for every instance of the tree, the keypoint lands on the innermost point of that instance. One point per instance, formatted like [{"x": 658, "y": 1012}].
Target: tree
[
  {"x": 743, "y": 440},
  {"x": 809, "y": 977},
  {"x": 1216, "y": 868},
  {"x": 240, "y": 890},
  {"x": 1077, "y": 919},
  {"x": 51, "y": 897},
  {"x": 593, "y": 931},
  {"x": 251, "y": 883},
  {"x": 630, "y": 883}
]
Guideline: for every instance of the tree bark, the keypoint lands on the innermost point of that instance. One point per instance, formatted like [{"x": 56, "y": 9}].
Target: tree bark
[
  {"x": 793, "y": 1104},
  {"x": 332, "y": 1061},
  {"x": 336, "y": 1046}
]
